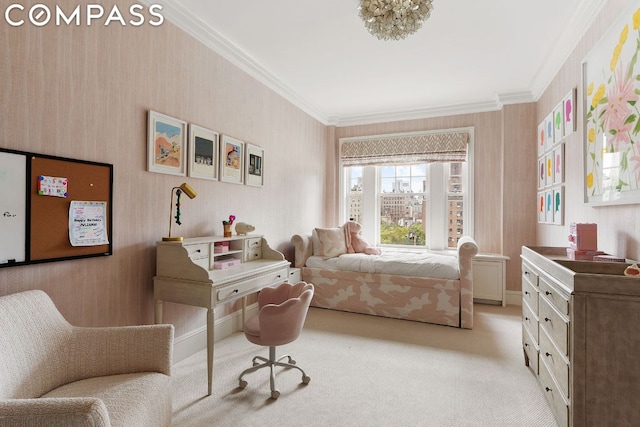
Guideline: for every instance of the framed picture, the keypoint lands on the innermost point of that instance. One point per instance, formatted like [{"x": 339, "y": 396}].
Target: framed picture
[
  {"x": 231, "y": 160},
  {"x": 166, "y": 144},
  {"x": 542, "y": 138},
  {"x": 548, "y": 168},
  {"x": 558, "y": 205},
  {"x": 558, "y": 124},
  {"x": 569, "y": 112},
  {"x": 203, "y": 153},
  {"x": 558, "y": 164},
  {"x": 541, "y": 208},
  {"x": 548, "y": 206},
  {"x": 542, "y": 173},
  {"x": 254, "y": 169},
  {"x": 610, "y": 84},
  {"x": 548, "y": 124}
]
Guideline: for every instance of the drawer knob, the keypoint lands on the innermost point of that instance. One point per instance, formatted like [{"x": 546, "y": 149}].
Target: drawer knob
[
  {"x": 547, "y": 354},
  {"x": 235, "y": 291},
  {"x": 526, "y": 344},
  {"x": 526, "y": 292},
  {"x": 547, "y": 389},
  {"x": 526, "y": 318},
  {"x": 526, "y": 273},
  {"x": 547, "y": 293},
  {"x": 546, "y": 319}
]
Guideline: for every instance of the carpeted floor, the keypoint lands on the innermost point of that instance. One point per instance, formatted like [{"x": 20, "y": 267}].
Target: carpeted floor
[{"x": 371, "y": 371}]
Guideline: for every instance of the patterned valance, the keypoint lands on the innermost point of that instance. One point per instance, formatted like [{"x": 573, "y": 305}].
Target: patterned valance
[{"x": 422, "y": 147}]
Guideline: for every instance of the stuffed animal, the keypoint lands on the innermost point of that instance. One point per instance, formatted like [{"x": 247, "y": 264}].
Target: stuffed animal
[
  {"x": 244, "y": 228},
  {"x": 355, "y": 242}
]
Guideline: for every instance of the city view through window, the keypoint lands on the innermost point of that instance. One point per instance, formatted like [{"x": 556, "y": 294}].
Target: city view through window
[{"x": 406, "y": 200}]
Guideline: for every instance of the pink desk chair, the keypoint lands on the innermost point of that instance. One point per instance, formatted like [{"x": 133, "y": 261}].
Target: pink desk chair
[{"x": 282, "y": 312}]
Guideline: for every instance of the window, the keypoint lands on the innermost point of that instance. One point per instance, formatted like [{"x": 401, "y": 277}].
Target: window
[{"x": 426, "y": 204}]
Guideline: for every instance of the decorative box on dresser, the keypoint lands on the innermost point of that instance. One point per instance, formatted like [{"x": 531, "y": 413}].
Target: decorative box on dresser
[
  {"x": 213, "y": 270},
  {"x": 581, "y": 337}
]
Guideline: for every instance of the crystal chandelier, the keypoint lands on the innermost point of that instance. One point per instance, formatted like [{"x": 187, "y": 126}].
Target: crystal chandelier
[{"x": 394, "y": 19}]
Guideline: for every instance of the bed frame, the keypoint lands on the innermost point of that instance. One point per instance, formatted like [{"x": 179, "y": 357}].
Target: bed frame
[{"x": 431, "y": 300}]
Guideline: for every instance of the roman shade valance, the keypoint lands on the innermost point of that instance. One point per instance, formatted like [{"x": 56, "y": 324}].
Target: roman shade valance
[{"x": 421, "y": 147}]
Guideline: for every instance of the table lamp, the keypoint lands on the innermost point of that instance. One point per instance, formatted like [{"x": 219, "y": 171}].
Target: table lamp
[{"x": 191, "y": 193}]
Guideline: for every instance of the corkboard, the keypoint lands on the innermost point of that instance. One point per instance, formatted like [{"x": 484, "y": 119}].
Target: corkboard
[
  {"x": 50, "y": 215},
  {"x": 47, "y": 222}
]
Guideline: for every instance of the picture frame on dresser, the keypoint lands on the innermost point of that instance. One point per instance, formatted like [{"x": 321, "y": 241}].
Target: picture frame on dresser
[
  {"x": 203, "y": 153},
  {"x": 166, "y": 144},
  {"x": 610, "y": 85},
  {"x": 231, "y": 160},
  {"x": 254, "y": 166}
]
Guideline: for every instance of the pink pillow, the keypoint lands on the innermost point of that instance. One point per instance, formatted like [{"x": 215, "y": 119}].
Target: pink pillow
[{"x": 330, "y": 242}]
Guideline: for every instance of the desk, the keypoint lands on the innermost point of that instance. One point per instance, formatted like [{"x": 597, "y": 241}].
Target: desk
[{"x": 186, "y": 273}]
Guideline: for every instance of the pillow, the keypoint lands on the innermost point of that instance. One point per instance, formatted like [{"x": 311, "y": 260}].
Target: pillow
[{"x": 330, "y": 242}]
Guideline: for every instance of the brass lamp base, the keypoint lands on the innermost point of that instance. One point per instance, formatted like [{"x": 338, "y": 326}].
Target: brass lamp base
[{"x": 172, "y": 239}]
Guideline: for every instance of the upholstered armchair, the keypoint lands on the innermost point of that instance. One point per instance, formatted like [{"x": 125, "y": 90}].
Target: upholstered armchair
[{"x": 56, "y": 374}]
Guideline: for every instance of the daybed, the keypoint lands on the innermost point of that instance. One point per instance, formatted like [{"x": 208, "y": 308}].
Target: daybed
[
  {"x": 54, "y": 374},
  {"x": 391, "y": 284}
]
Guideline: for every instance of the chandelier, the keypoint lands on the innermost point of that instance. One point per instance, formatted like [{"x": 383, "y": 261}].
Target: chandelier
[{"x": 394, "y": 19}]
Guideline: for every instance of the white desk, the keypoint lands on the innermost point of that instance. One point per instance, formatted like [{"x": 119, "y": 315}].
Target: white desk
[{"x": 185, "y": 274}]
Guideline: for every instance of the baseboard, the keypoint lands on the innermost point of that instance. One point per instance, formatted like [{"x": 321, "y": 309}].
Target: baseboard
[
  {"x": 194, "y": 341},
  {"x": 514, "y": 298}
]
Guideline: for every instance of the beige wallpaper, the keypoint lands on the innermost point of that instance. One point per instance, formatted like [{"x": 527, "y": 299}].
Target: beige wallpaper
[{"x": 84, "y": 92}]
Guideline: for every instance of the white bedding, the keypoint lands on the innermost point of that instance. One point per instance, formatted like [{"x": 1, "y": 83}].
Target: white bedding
[{"x": 423, "y": 264}]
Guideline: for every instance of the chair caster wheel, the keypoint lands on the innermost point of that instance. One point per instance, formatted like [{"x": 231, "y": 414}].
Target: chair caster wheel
[
  {"x": 242, "y": 384},
  {"x": 306, "y": 379},
  {"x": 275, "y": 394}
]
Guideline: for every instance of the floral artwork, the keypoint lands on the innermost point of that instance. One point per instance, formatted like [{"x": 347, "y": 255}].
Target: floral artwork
[{"x": 612, "y": 116}]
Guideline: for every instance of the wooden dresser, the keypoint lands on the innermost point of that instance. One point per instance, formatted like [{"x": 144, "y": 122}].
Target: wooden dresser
[
  {"x": 581, "y": 337},
  {"x": 189, "y": 272}
]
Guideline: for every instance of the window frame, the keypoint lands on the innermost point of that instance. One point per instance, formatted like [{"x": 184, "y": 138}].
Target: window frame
[{"x": 437, "y": 221}]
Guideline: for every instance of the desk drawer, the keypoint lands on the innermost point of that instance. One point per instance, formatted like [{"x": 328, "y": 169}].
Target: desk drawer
[
  {"x": 530, "y": 321},
  {"x": 554, "y": 296},
  {"x": 555, "y": 325},
  {"x": 251, "y": 285},
  {"x": 557, "y": 364},
  {"x": 198, "y": 251}
]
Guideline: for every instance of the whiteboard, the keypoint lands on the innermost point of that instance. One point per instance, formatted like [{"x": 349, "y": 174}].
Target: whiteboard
[{"x": 13, "y": 207}]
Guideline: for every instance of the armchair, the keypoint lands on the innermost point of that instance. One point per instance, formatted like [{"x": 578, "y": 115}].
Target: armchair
[{"x": 56, "y": 374}]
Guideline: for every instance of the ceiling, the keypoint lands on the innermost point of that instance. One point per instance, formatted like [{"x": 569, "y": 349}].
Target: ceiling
[{"x": 469, "y": 56}]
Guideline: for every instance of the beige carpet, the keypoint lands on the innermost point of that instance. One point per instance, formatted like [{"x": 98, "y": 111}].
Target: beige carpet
[{"x": 371, "y": 371}]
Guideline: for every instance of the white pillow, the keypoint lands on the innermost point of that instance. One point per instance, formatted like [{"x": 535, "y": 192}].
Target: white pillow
[{"x": 329, "y": 242}]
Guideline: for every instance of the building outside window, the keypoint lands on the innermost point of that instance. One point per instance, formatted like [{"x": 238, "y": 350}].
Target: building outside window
[{"x": 411, "y": 189}]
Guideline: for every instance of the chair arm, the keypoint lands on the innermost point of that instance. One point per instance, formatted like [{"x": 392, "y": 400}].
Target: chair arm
[
  {"x": 303, "y": 249},
  {"x": 54, "y": 412},
  {"x": 121, "y": 350}
]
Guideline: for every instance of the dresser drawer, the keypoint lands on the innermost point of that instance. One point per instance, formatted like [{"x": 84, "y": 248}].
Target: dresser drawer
[
  {"x": 529, "y": 275},
  {"x": 252, "y": 255},
  {"x": 554, "y": 296},
  {"x": 530, "y": 295},
  {"x": 198, "y": 251},
  {"x": 530, "y": 321},
  {"x": 557, "y": 364},
  {"x": 555, "y": 325},
  {"x": 247, "y": 286},
  {"x": 530, "y": 348},
  {"x": 556, "y": 400}
]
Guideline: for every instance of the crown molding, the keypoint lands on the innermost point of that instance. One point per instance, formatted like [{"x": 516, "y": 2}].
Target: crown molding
[
  {"x": 585, "y": 14},
  {"x": 575, "y": 30},
  {"x": 195, "y": 27}
]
